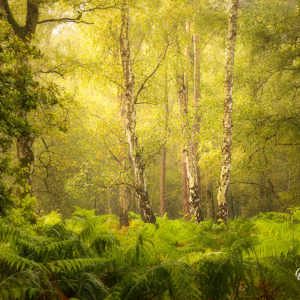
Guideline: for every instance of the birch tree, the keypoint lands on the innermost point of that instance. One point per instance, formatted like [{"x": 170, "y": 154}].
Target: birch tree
[
  {"x": 224, "y": 180},
  {"x": 135, "y": 151},
  {"x": 190, "y": 130}
]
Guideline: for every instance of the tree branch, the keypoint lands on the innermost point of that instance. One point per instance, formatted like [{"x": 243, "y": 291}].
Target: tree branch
[
  {"x": 19, "y": 30},
  {"x": 65, "y": 20},
  {"x": 78, "y": 18},
  {"x": 145, "y": 102},
  {"x": 23, "y": 32},
  {"x": 143, "y": 85},
  {"x": 114, "y": 156},
  {"x": 288, "y": 144},
  {"x": 99, "y": 7},
  {"x": 54, "y": 70}
]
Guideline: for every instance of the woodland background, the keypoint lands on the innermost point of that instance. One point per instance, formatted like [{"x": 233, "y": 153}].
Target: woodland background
[
  {"x": 76, "y": 76},
  {"x": 112, "y": 109}
]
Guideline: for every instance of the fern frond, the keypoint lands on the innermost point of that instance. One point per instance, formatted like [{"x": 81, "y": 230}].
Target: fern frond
[
  {"x": 152, "y": 282},
  {"x": 91, "y": 287},
  {"x": 78, "y": 265},
  {"x": 62, "y": 249},
  {"x": 16, "y": 262},
  {"x": 89, "y": 229},
  {"x": 21, "y": 285}
]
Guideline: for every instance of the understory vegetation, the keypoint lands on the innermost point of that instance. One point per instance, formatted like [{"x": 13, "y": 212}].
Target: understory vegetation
[{"x": 89, "y": 257}]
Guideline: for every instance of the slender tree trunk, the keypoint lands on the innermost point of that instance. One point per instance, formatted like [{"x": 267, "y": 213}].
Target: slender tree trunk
[
  {"x": 124, "y": 203},
  {"x": 185, "y": 190},
  {"x": 212, "y": 202},
  {"x": 193, "y": 185},
  {"x": 130, "y": 119},
  {"x": 162, "y": 196},
  {"x": 193, "y": 166},
  {"x": 191, "y": 134},
  {"x": 183, "y": 104},
  {"x": 163, "y": 200},
  {"x": 108, "y": 207},
  {"x": 124, "y": 192},
  {"x": 190, "y": 182},
  {"x": 196, "y": 65},
  {"x": 224, "y": 180}
]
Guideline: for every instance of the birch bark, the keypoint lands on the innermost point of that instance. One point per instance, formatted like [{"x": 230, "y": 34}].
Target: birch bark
[
  {"x": 224, "y": 180},
  {"x": 130, "y": 119},
  {"x": 190, "y": 134}
]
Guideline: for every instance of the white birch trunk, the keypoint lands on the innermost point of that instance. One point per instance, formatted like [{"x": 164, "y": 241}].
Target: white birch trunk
[
  {"x": 130, "y": 119},
  {"x": 190, "y": 134},
  {"x": 224, "y": 180}
]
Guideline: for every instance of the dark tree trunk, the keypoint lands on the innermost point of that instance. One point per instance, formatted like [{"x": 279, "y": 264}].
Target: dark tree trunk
[
  {"x": 162, "y": 196},
  {"x": 185, "y": 190},
  {"x": 26, "y": 139},
  {"x": 124, "y": 200},
  {"x": 26, "y": 160},
  {"x": 163, "y": 199},
  {"x": 25, "y": 32}
]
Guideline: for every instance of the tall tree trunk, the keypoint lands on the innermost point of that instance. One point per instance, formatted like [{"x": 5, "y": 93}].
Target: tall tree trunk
[
  {"x": 190, "y": 136},
  {"x": 124, "y": 203},
  {"x": 196, "y": 65},
  {"x": 25, "y": 156},
  {"x": 194, "y": 171},
  {"x": 190, "y": 163},
  {"x": 130, "y": 119},
  {"x": 185, "y": 189},
  {"x": 162, "y": 198},
  {"x": 210, "y": 195},
  {"x": 108, "y": 204},
  {"x": 224, "y": 180},
  {"x": 183, "y": 104},
  {"x": 124, "y": 192},
  {"x": 26, "y": 139},
  {"x": 193, "y": 185}
]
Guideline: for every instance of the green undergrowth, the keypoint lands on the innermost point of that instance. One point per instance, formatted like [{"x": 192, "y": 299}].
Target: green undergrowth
[{"x": 90, "y": 257}]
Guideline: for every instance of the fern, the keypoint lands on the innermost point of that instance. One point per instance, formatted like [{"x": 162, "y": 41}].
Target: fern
[
  {"x": 86, "y": 257},
  {"x": 77, "y": 265},
  {"x": 90, "y": 287},
  {"x": 17, "y": 263}
]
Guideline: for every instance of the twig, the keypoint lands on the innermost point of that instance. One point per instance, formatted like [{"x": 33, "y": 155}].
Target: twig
[
  {"x": 143, "y": 85},
  {"x": 78, "y": 18}
]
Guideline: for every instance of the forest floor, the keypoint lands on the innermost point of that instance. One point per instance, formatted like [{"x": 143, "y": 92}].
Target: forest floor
[{"x": 91, "y": 257}]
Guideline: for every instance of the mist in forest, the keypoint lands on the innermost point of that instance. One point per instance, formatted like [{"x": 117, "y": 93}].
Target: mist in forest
[{"x": 149, "y": 149}]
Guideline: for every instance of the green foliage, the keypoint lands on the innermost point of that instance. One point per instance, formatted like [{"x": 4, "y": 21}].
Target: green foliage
[
  {"x": 214, "y": 274},
  {"x": 88, "y": 257},
  {"x": 81, "y": 255},
  {"x": 24, "y": 101}
]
